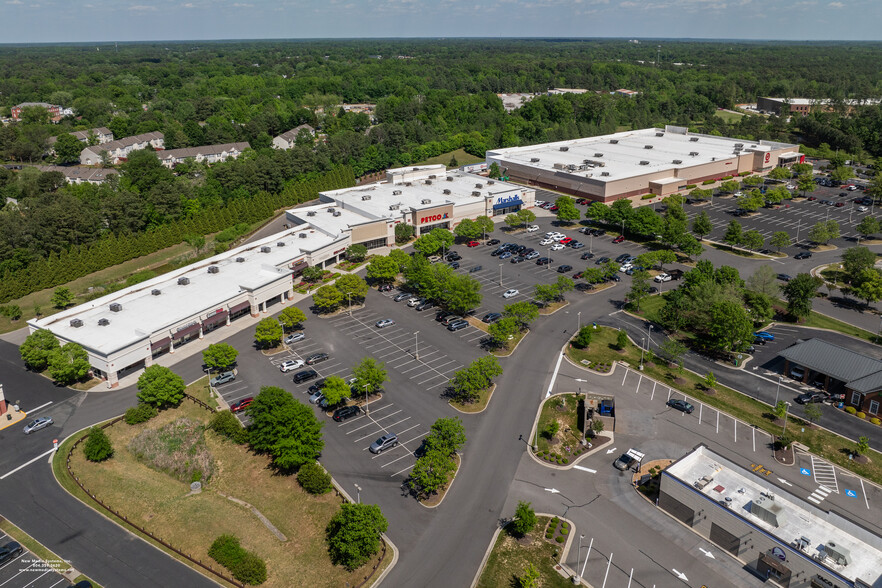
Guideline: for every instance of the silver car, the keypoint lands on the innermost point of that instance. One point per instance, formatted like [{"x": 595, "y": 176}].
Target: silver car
[
  {"x": 37, "y": 424},
  {"x": 383, "y": 443},
  {"x": 385, "y": 323},
  {"x": 294, "y": 338}
]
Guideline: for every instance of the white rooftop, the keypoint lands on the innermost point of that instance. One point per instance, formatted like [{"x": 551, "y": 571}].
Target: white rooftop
[
  {"x": 620, "y": 155},
  {"x": 736, "y": 489},
  {"x": 812, "y": 101},
  {"x": 143, "y": 314},
  {"x": 329, "y": 218}
]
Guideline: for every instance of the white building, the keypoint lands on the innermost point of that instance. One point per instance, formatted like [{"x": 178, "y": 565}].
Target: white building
[
  {"x": 203, "y": 154},
  {"x": 119, "y": 149},
  {"x": 76, "y": 174},
  {"x": 288, "y": 139}
]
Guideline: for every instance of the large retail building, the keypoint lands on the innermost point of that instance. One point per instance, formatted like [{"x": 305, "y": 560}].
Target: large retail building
[
  {"x": 635, "y": 163},
  {"x": 127, "y": 330}
]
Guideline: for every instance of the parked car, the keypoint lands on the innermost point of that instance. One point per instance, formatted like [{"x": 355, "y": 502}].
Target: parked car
[
  {"x": 810, "y": 397},
  {"x": 383, "y": 443},
  {"x": 451, "y": 319},
  {"x": 510, "y": 293},
  {"x": 453, "y": 265},
  {"x": 222, "y": 378},
  {"x": 862, "y": 208},
  {"x": 317, "y": 387},
  {"x": 584, "y": 287},
  {"x": 785, "y": 277},
  {"x": 317, "y": 358},
  {"x": 457, "y": 325},
  {"x": 577, "y": 245},
  {"x": 241, "y": 404},
  {"x": 385, "y": 288},
  {"x": 565, "y": 241},
  {"x": 546, "y": 241},
  {"x": 619, "y": 239},
  {"x": 562, "y": 269},
  {"x": 532, "y": 255},
  {"x": 544, "y": 261},
  {"x": 803, "y": 255},
  {"x": 433, "y": 258},
  {"x": 401, "y": 297},
  {"x": 325, "y": 405},
  {"x": 623, "y": 258},
  {"x": 316, "y": 397},
  {"x": 415, "y": 301},
  {"x": 493, "y": 242},
  {"x": 601, "y": 260},
  {"x": 662, "y": 278},
  {"x": 305, "y": 376},
  {"x": 10, "y": 551},
  {"x": 765, "y": 335},
  {"x": 840, "y": 204},
  {"x": 347, "y": 412},
  {"x": 681, "y": 405},
  {"x": 532, "y": 228},
  {"x": 294, "y": 337},
  {"x": 797, "y": 372},
  {"x": 624, "y": 462},
  {"x": 557, "y": 247},
  {"x": 477, "y": 268},
  {"x": 505, "y": 255},
  {"x": 518, "y": 259},
  {"x": 443, "y": 314},
  {"x": 37, "y": 424},
  {"x": 472, "y": 244},
  {"x": 291, "y": 365},
  {"x": 382, "y": 323},
  {"x": 614, "y": 278},
  {"x": 491, "y": 317},
  {"x": 425, "y": 306},
  {"x": 587, "y": 256}
]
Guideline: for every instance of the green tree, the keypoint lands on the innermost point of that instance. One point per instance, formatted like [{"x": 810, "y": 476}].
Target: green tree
[
  {"x": 702, "y": 225},
  {"x": 523, "y": 313},
  {"x": 760, "y": 306},
  {"x": 645, "y": 221},
  {"x": 639, "y": 288},
  {"x": 401, "y": 258},
  {"x": 335, "y": 390},
  {"x": 752, "y": 239},
  {"x": 353, "y": 534},
  {"x": 813, "y": 412},
  {"x": 67, "y": 148},
  {"x": 467, "y": 383},
  {"x": 780, "y": 173},
  {"x": 710, "y": 381},
  {"x": 312, "y": 274},
  {"x": 444, "y": 237},
  {"x": 382, "y": 269},
  {"x": 431, "y": 472},
  {"x": 752, "y": 180},
  {"x": 672, "y": 350},
  {"x": 598, "y": 211},
  {"x": 868, "y": 285},
  {"x": 159, "y": 387},
  {"x": 819, "y": 233},
  {"x": 583, "y": 338},
  {"x": 351, "y": 287},
  {"x": 621, "y": 340},
  {"x": 524, "y": 520},
  {"x": 842, "y": 174},
  {"x": 863, "y": 445},
  {"x": 503, "y": 330},
  {"x": 566, "y": 210},
  {"x": 733, "y": 233},
  {"x": 218, "y": 356},
  {"x": 730, "y": 325},
  {"x": 37, "y": 348},
  {"x": 467, "y": 229},
  {"x": 427, "y": 245},
  {"x": 526, "y": 215},
  {"x": 513, "y": 220},
  {"x": 832, "y": 229},
  {"x": 447, "y": 435},
  {"x": 403, "y": 233},
  {"x": 493, "y": 171},
  {"x": 197, "y": 242},
  {"x": 314, "y": 479},
  {"x": 690, "y": 246},
  {"x": 68, "y": 364},
  {"x": 855, "y": 260},
  {"x": 799, "y": 293},
  {"x": 62, "y": 297},
  {"x": 530, "y": 577},
  {"x": 563, "y": 286},
  {"x": 284, "y": 428},
  {"x": 805, "y": 183},
  {"x": 779, "y": 240},
  {"x": 291, "y": 317},
  {"x": 545, "y": 293},
  {"x": 764, "y": 281},
  {"x": 97, "y": 446},
  {"x": 370, "y": 372},
  {"x": 268, "y": 333},
  {"x": 462, "y": 294},
  {"x": 356, "y": 252},
  {"x": 780, "y": 410},
  {"x": 592, "y": 275},
  {"x": 868, "y": 227},
  {"x": 729, "y": 186},
  {"x": 327, "y": 299},
  {"x": 485, "y": 224}
]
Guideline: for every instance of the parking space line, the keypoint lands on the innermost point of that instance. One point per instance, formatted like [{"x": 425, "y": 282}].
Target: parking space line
[
  {"x": 406, "y": 455},
  {"x": 373, "y": 421},
  {"x": 410, "y": 467},
  {"x": 385, "y": 430}
]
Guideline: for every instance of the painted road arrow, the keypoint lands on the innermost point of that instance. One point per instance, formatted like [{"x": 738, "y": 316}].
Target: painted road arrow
[
  {"x": 707, "y": 553},
  {"x": 783, "y": 481},
  {"x": 680, "y": 575},
  {"x": 580, "y": 380},
  {"x": 553, "y": 490},
  {"x": 608, "y": 451},
  {"x": 589, "y": 470}
]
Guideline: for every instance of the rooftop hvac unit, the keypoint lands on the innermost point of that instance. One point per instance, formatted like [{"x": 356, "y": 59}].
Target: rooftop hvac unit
[
  {"x": 647, "y": 146},
  {"x": 534, "y": 160},
  {"x": 331, "y": 209},
  {"x": 115, "y": 307},
  {"x": 428, "y": 182},
  {"x": 155, "y": 292},
  {"x": 103, "y": 322},
  {"x": 693, "y": 139},
  {"x": 433, "y": 177},
  {"x": 302, "y": 235},
  {"x": 449, "y": 178},
  {"x": 396, "y": 192},
  {"x": 678, "y": 161},
  {"x": 603, "y": 173},
  {"x": 425, "y": 201},
  {"x": 614, "y": 141},
  {"x": 76, "y": 323},
  {"x": 366, "y": 197},
  {"x": 265, "y": 249},
  {"x": 336, "y": 213},
  {"x": 644, "y": 162},
  {"x": 183, "y": 281},
  {"x": 408, "y": 183},
  {"x": 476, "y": 193},
  {"x": 693, "y": 153},
  {"x": 479, "y": 186},
  {"x": 394, "y": 206},
  {"x": 490, "y": 182},
  {"x": 240, "y": 260},
  {"x": 598, "y": 155},
  {"x": 753, "y": 146},
  {"x": 564, "y": 148},
  {"x": 446, "y": 191},
  {"x": 280, "y": 244},
  {"x": 713, "y": 158},
  {"x": 766, "y": 509},
  {"x": 659, "y": 134},
  {"x": 312, "y": 212},
  {"x": 739, "y": 145},
  {"x": 837, "y": 553}
]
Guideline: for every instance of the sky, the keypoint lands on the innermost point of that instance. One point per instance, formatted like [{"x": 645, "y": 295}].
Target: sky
[{"x": 47, "y": 21}]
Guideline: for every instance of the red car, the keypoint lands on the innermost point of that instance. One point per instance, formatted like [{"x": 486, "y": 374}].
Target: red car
[
  {"x": 577, "y": 275},
  {"x": 553, "y": 208},
  {"x": 565, "y": 240},
  {"x": 242, "y": 404},
  {"x": 472, "y": 244},
  {"x": 811, "y": 198},
  {"x": 840, "y": 204},
  {"x": 619, "y": 239}
]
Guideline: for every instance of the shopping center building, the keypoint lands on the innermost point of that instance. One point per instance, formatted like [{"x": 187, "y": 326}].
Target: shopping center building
[
  {"x": 634, "y": 163},
  {"x": 127, "y": 330},
  {"x": 776, "y": 535}
]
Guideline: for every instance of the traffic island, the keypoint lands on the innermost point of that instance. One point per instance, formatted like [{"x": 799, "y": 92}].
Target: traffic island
[
  {"x": 479, "y": 405},
  {"x": 557, "y": 438},
  {"x": 435, "y": 500}
]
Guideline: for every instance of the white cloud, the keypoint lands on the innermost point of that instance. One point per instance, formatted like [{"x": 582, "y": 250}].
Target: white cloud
[
  {"x": 142, "y": 8},
  {"x": 14, "y": 2},
  {"x": 242, "y": 5},
  {"x": 836, "y": 5}
]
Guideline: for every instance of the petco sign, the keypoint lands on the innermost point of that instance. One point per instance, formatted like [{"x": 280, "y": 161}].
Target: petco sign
[{"x": 434, "y": 217}]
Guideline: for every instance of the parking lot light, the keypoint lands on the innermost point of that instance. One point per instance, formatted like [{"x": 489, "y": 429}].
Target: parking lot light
[
  {"x": 786, "y": 408},
  {"x": 358, "y": 493},
  {"x": 580, "y": 322},
  {"x": 778, "y": 389},
  {"x": 416, "y": 347},
  {"x": 349, "y": 294},
  {"x": 500, "y": 275},
  {"x": 366, "y": 402}
]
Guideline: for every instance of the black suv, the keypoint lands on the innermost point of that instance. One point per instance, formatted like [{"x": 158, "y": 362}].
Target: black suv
[
  {"x": 317, "y": 386},
  {"x": 305, "y": 376},
  {"x": 10, "y": 551},
  {"x": 564, "y": 269},
  {"x": 425, "y": 305},
  {"x": 316, "y": 358},
  {"x": 341, "y": 414},
  {"x": 443, "y": 314}
]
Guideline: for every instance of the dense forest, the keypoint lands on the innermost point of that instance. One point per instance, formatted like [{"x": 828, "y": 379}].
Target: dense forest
[{"x": 431, "y": 97}]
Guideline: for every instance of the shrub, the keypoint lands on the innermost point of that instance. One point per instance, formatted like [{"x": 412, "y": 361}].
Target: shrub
[
  {"x": 244, "y": 565},
  {"x": 861, "y": 415},
  {"x": 647, "y": 197},
  {"x": 177, "y": 449},
  {"x": 97, "y": 446},
  {"x": 140, "y": 414},
  {"x": 314, "y": 479},
  {"x": 875, "y": 421},
  {"x": 565, "y": 531},
  {"x": 727, "y": 177},
  {"x": 621, "y": 340},
  {"x": 707, "y": 182},
  {"x": 560, "y": 539},
  {"x": 850, "y": 409},
  {"x": 744, "y": 173},
  {"x": 226, "y": 424},
  {"x": 250, "y": 570},
  {"x": 524, "y": 520},
  {"x": 555, "y": 521},
  {"x": 691, "y": 186},
  {"x": 566, "y": 461},
  {"x": 551, "y": 429}
]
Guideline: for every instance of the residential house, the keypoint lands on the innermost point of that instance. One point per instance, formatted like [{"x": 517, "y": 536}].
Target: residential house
[
  {"x": 55, "y": 111},
  {"x": 102, "y": 135},
  {"x": 80, "y": 175},
  {"x": 204, "y": 154},
  {"x": 626, "y": 93},
  {"x": 288, "y": 139},
  {"x": 119, "y": 149}
]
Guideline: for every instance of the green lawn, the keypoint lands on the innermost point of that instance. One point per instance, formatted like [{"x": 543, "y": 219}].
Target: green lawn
[
  {"x": 509, "y": 559},
  {"x": 729, "y": 117},
  {"x": 462, "y": 158},
  {"x": 822, "y": 321}
]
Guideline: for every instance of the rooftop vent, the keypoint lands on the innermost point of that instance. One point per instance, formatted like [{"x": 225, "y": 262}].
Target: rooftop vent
[
  {"x": 183, "y": 281},
  {"x": 614, "y": 141},
  {"x": 837, "y": 553},
  {"x": 534, "y": 160},
  {"x": 598, "y": 155},
  {"x": 115, "y": 307},
  {"x": 394, "y": 206},
  {"x": 659, "y": 134},
  {"x": 213, "y": 269},
  {"x": 155, "y": 292},
  {"x": 336, "y": 213},
  {"x": 366, "y": 197},
  {"x": 565, "y": 148},
  {"x": 476, "y": 194},
  {"x": 76, "y": 323},
  {"x": 428, "y": 182},
  {"x": 603, "y": 173},
  {"x": 408, "y": 183},
  {"x": 693, "y": 153},
  {"x": 303, "y": 235},
  {"x": 433, "y": 177},
  {"x": 644, "y": 162},
  {"x": 312, "y": 212},
  {"x": 693, "y": 139},
  {"x": 479, "y": 186},
  {"x": 396, "y": 192},
  {"x": 240, "y": 260},
  {"x": 490, "y": 182},
  {"x": 647, "y": 146},
  {"x": 280, "y": 244},
  {"x": 446, "y": 191},
  {"x": 331, "y": 209},
  {"x": 449, "y": 178},
  {"x": 265, "y": 249},
  {"x": 739, "y": 145},
  {"x": 677, "y": 161},
  {"x": 103, "y": 322},
  {"x": 753, "y": 146},
  {"x": 425, "y": 201}
]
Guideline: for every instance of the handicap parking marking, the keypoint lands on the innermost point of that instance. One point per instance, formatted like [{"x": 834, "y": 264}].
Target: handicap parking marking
[
  {"x": 850, "y": 493},
  {"x": 805, "y": 471}
]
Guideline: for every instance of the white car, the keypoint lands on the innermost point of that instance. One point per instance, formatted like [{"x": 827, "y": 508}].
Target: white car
[
  {"x": 414, "y": 301},
  {"x": 862, "y": 208},
  {"x": 539, "y": 203},
  {"x": 852, "y": 187},
  {"x": 557, "y": 247},
  {"x": 510, "y": 293},
  {"x": 532, "y": 228},
  {"x": 385, "y": 323},
  {"x": 559, "y": 237},
  {"x": 291, "y": 364},
  {"x": 738, "y": 194},
  {"x": 626, "y": 266},
  {"x": 546, "y": 241},
  {"x": 663, "y": 278},
  {"x": 790, "y": 187}
]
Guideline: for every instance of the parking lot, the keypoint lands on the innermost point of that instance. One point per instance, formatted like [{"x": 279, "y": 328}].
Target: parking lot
[{"x": 28, "y": 571}]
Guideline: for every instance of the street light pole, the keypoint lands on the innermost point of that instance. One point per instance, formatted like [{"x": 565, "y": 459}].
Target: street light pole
[
  {"x": 358, "y": 493},
  {"x": 416, "y": 353},
  {"x": 548, "y": 257},
  {"x": 642, "y": 349},
  {"x": 580, "y": 321},
  {"x": 579, "y": 559},
  {"x": 798, "y": 223},
  {"x": 649, "y": 336},
  {"x": 778, "y": 389},
  {"x": 366, "y": 402},
  {"x": 500, "y": 275},
  {"x": 591, "y": 243},
  {"x": 349, "y": 295},
  {"x": 786, "y": 408}
]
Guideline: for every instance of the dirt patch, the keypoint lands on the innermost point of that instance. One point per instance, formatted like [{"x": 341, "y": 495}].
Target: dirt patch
[
  {"x": 680, "y": 381},
  {"x": 178, "y": 449},
  {"x": 785, "y": 456}
]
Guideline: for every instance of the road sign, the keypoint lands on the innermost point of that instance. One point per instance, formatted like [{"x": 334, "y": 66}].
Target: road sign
[
  {"x": 805, "y": 471},
  {"x": 850, "y": 493}
]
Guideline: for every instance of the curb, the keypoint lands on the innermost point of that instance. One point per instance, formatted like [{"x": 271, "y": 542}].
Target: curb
[
  {"x": 612, "y": 368},
  {"x": 510, "y": 353},
  {"x": 486, "y": 406}
]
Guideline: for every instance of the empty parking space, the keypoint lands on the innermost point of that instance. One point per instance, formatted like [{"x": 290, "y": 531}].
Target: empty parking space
[{"x": 28, "y": 570}]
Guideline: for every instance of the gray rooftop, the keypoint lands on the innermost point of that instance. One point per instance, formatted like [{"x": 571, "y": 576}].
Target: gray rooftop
[
  {"x": 126, "y": 141},
  {"x": 860, "y": 372},
  {"x": 203, "y": 150}
]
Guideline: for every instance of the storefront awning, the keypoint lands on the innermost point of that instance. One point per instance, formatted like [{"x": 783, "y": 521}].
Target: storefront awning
[
  {"x": 299, "y": 266},
  {"x": 194, "y": 328},
  {"x": 240, "y": 306},
  {"x": 508, "y": 204}
]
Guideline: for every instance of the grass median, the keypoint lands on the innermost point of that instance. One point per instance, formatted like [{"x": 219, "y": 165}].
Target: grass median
[{"x": 510, "y": 556}]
